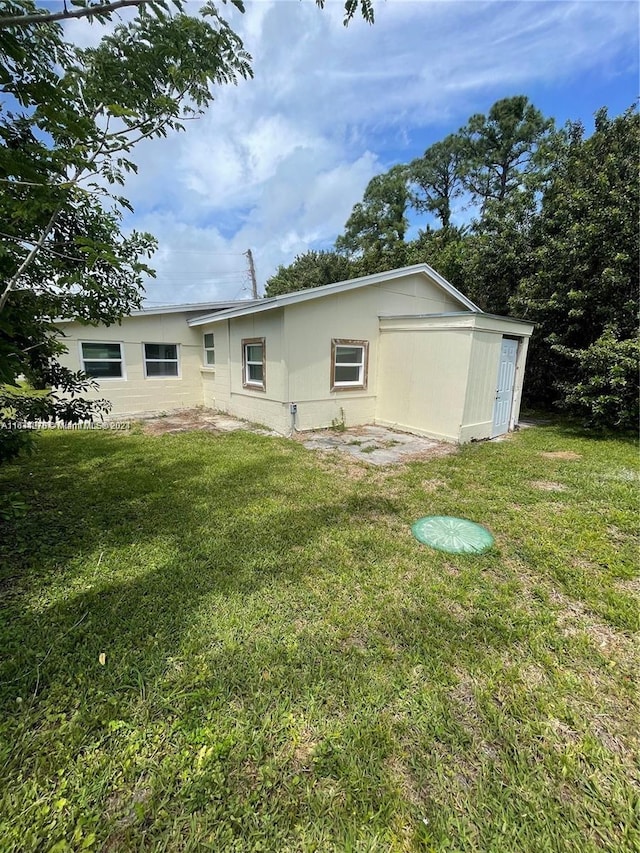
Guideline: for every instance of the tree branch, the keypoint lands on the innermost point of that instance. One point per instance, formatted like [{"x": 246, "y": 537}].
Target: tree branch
[
  {"x": 64, "y": 14},
  {"x": 27, "y": 261},
  {"x": 43, "y": 248}
]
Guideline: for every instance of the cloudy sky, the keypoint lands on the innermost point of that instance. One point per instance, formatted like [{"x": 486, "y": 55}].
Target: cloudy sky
[{"x": 277, "y": 162}]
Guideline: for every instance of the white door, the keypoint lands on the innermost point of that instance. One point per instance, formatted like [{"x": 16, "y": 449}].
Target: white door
[{"x": 504, "y": 390}]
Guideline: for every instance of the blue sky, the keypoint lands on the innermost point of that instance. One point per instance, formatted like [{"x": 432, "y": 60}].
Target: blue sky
[{"x": 278, "y": 162}]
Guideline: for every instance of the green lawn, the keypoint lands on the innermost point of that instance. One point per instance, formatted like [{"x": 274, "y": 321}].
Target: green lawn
[{"x": 286, "y": 669}]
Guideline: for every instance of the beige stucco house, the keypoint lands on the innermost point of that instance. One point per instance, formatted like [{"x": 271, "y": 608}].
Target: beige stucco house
[{"x": 403, "y": 349}]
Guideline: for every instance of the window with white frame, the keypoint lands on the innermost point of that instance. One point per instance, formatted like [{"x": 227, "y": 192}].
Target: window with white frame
[
  {"x": 209, "y": 349},
  {"x": 253, "y": 363},
  {"x": 160, "y": 360},
  {"x": 349, "y": 362},
  {"x": 102, "y": 361}
]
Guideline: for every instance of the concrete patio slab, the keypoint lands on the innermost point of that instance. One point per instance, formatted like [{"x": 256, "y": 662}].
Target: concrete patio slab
[
  {"x": 198, "y": 419},
  {"x": 375, "y": 445}
]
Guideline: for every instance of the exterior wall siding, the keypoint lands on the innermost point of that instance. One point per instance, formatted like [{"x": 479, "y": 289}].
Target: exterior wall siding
[
  {"x": 430, "y": 374},
  {"x": 266, "y": 407},
  {"x": 423, "y": 380},
  {"x": 483, "y": 375},
  {"x": 483, "y": 369},
  {"x": 309, "y": 329},
  {"x": 458, "y": 357},
  {"x": 215, "y": 378},
  {"x": 136, "y": 394}
]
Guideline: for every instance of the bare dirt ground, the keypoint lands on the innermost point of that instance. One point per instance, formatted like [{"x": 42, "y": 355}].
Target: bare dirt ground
[
  {"x": 198, "y": 419},
  {"x": 371, "y": 444}
]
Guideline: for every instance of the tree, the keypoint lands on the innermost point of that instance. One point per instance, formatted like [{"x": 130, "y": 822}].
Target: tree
[
  {"x": 444, "y": 249},
  {"x": 16, "y": 15},
  {"x": 497, "y": 252},
  {"x": 557, "y": 243},
  {"x": 378, "y": 223},
  {"x": 69, "y": 121},
  {"x": 311, "y": 269},
  {"x": 503, "y": 151},
  {"x": 435, "y": 178},
  {"x": 583, "y": 288}
]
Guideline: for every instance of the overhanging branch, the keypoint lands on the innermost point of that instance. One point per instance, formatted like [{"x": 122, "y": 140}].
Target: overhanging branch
[{"x": 64, "y": 14}]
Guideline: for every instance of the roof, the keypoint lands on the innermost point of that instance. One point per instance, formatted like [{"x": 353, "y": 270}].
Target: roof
[
  {"x": 260, "y": 305},
  {"x": 183, "y": 308},
  {"x": 193, "y": 306}
]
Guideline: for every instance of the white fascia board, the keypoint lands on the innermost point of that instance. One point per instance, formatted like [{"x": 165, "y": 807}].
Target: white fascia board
[
  {"x": 456, "y": 320},
  {"x": 186, "y": 308},
  {"x": 190, "y": 307},
  {"x": 330, "y": 289}
]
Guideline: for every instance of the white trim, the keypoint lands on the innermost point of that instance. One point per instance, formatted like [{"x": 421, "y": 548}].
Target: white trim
[
  {"x": 247, "y": 381},
  {"x": 206, "y": 350},
  {"x": 357, "y": 383},
  {"x": 338, "y": 287},
  {"x": 177, "y": 359},
  {"x": 456, "y": 315},
  {"x": 461, "y": 321},
  {"x": 123, "y": 369}
]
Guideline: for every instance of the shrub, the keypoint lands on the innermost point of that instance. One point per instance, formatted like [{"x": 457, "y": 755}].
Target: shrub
[{"x": 606, "y": 390}]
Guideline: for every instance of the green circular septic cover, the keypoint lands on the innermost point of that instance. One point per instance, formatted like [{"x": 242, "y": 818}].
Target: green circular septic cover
[{"x": 453, "y": 535}]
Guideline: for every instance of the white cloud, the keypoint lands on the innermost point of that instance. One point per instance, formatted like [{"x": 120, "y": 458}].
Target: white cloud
[{"x": 277, "y": 162}]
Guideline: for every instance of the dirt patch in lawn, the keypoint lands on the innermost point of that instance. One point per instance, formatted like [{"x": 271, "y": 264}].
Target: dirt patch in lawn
[
  {"x": 629, "y": 585},
  {"x": 547, "y": 486},
  {"x": 574, "y": 617},
  {"x": 465, "y": 704},
  {"x": 432, "y": 485}
]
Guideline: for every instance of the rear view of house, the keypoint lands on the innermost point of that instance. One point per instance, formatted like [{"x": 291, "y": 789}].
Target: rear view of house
[{"x": 403, "y": 349}]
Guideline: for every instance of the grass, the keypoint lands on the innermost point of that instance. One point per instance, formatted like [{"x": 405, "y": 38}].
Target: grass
[{"x": 231, "y": 643}]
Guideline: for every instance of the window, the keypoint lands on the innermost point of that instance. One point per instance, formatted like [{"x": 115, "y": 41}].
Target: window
[
  {"x": 209, "y": 350},
  {"x": 102, "y": 361},
  {"x": 160, "y": 360},
  {"x": 253, "y": 363},
  {"x": 349, "y": 364}
]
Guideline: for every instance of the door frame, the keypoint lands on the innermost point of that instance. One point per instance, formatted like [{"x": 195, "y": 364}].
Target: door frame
[{"x": 510, "y": 421}]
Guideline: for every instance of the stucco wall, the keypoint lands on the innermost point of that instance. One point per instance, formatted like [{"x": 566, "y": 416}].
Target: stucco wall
[
  {"x": 483, "y": 376},
  {"x": 136, "y": 394},
  {"x": 298, "y": 354},
  {"x": 423, "y": 379},
  {"x": 426, "y": 374},
  {"x": 353, "y": 315},
  {"x": 215, "y": 378},
  {"x": 458, "y": 357},
  {"x": 266, "y": 407}
]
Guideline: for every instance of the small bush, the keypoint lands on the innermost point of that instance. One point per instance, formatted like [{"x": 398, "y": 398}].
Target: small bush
[{"x": 606, "y": 391}]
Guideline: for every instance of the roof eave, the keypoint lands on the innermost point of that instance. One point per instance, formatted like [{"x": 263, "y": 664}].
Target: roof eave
[{"x": 337, "y": 287}]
